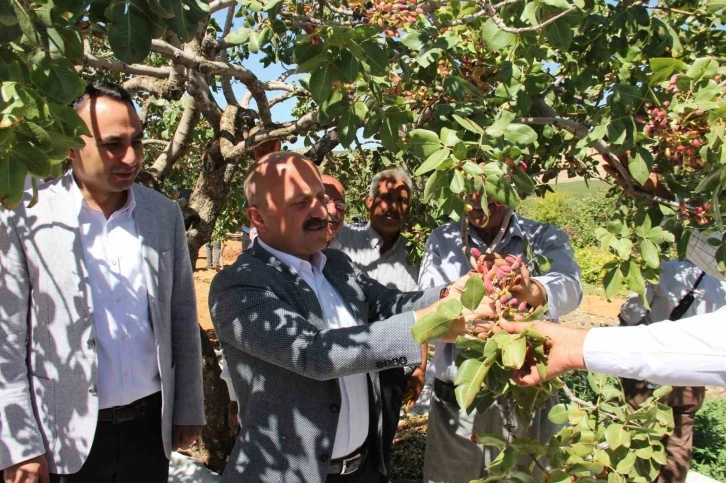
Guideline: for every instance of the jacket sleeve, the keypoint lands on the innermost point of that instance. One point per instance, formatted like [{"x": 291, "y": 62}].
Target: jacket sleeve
[
  {"x": 562, "y": 282},
  {"x": 20, "y": 437},
  {"x": 185, "y": 339},
  {"x": 255, "y": 320}
]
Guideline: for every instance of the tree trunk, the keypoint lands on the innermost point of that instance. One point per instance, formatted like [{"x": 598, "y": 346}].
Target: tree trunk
[
  {"x": 217, "y": 438},
  {"x": 208, "y": 198}
]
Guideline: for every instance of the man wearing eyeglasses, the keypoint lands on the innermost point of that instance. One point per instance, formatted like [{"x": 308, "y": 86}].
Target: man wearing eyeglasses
[
  {"x": 379, "y": 250},
  {"x": 336, "y": 206}
]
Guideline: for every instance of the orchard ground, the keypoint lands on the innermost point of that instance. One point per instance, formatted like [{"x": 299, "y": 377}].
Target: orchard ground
[{"x": 410, "y": 443}]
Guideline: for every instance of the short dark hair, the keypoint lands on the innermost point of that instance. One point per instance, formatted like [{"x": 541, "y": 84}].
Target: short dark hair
[{"x": 98, "y": 89}]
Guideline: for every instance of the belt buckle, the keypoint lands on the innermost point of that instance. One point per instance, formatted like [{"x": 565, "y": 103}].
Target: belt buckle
[{"x": 345, "y": 471}]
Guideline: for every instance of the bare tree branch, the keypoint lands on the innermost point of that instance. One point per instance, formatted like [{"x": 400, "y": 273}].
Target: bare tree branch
[
  {"x": 91, "y": 60},
  {"x": 155, "y": 141},
  {"x": 226, "y": 83},
  {"x": 205, "y": 66},
  {"x": 179, "y": 143},
  {"x": 323, "y": 146},
  {"x": 218, "y": 5},
  {"x": 492, "y": 13}
]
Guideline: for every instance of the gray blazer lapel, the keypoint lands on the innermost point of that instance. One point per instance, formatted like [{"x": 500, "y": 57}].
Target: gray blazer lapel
[
  {"x": 67, "y": 234},
  {"x": 147, "y": 227},
  {"x": 304, "y": 292}
]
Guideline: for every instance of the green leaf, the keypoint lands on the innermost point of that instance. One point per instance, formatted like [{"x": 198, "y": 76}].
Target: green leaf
[
  {"x": 58, "y": 80},
  {"x": 460, "y": 89},
  {"x": 623, "y": 246},
  {"x": 501, "y": 190},
  {"x": 415, "y": 40},
  {"x": 663, "y": 67},
  {"x": 468, "y": 124},
  {"x": 650, "y": 253},
  {"x": 240, "y": 36},
  {"x": 469, "y": 379},
  {"x": 306, "y": 51},
  {"x": 461, "y": 151},
  {"x": 639, "y": 169},
  {"x": 129, "y": 36},
  {"x": 389, "y": 134},
  {"x": 491, "y": 439},
  {"x": 449, "y": 137},
  {"x": 494, "y": 38},
  {"x": 321, "y": 82},
  {"x": 714, "y": 6},
  {"x": 559, "y": 414},
  {"x": 635, "y": 279},
  {"x": 423, "y": 143},
  {"x": 500, "y": 124},
  {"x": 457, "y": 183},
  {"x": 613, "y": 282},
  {"x": 513, "y": 354},
  {"x": 626, "y": 464},
  {"x": 347, "y": 127},
  {"x": 34, "y": 159},
  {"x": 432, "y": 162},
  {"x": 559, "y": 34},
  {"x": 520, "y": 134},
  {"x": 254, "y": 42},
  {"x": 12, "y": 181},
  {"x": 626, "y": 94},
  {"x": 472, "y": 168},
  {"x": 474, "y": 292},
  {"x": 437, "y": 324},
  {"x": 617, "y": 436},
  {"x": 705, "y": 67},
  {"x": 617, "y": 132},
  {"x": 504, "y": 462},
  {"x": 437, "y": 181},
  {"x": 429, "y": 56},
  {"x": 162, "y": 8},
  {"x": 376, "y": 61},
  {"x": 349, "y": 66}
]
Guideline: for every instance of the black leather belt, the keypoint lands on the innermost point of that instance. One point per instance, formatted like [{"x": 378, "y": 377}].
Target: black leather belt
[
  {"x": 445, "y": 391},
  {"x": 129, "y": 412},
  {"x": 349, "y": 464}
]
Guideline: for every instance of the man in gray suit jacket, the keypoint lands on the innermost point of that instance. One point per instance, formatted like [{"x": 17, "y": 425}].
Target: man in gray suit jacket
[
  {"x": 305, "y": 332},
  {"x": 100, "y": 359}
]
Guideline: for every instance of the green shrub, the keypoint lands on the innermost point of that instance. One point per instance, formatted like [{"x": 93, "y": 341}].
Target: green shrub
[
  {"x": 578, "y": 216},
  {"x": 591, "y": 259},
  {"x": 709, "y": 440}
]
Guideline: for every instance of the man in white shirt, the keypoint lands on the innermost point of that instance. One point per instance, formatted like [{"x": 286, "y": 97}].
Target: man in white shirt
[
  {"x": 305, "y": 333},
  {"x": 100, "y": 361},
  {"x": 336, "y": 207},
  {"x": 683, "y": 290},
  {"x": 379, "y": 250},
  {"x": 451, "y": 456}
]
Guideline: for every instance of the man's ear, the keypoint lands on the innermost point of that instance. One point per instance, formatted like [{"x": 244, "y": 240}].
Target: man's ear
[
  {"x": 73, "y": 155},
  {"x": 256, "y": 219},
  {"x": 369, "y": 202}
]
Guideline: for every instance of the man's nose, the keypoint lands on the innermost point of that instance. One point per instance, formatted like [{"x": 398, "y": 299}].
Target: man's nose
[{"x": 132, "y": 155}]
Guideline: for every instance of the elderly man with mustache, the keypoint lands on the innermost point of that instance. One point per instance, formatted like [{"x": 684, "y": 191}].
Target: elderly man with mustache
[
  {"x": 379, "y": 250},
  {"x": 305, "y": 333}
]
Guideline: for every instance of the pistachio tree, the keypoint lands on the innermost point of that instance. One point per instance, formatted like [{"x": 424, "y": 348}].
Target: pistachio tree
[{"x": 493, "y": 98}]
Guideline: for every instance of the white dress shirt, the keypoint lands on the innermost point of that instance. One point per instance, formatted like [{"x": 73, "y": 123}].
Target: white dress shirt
[
  {"x": 127, "y": 364},
  {"x": 354, "y": 418},
  {"x": 363, "y": 245},
  {"x": 444, "y": 261},
  {"x": 703, "y": 254},
  {"x": 687, "y": 352}
]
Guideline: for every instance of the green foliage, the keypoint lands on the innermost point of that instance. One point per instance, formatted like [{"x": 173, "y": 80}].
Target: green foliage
[
  {"x": 39, "y": 43},
  {"x": 591, "y": 260},
  {"x": 709, "y": 440}
]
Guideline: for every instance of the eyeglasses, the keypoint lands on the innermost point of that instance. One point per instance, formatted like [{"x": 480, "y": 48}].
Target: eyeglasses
[{"x": 339, "y": 204}]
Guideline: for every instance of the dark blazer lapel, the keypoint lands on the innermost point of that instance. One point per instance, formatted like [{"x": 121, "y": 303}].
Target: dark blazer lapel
[
  {"x": 147, "y": 228},
  {"x": 301, "y": 288},
  {"x": 67, "y": 235}
]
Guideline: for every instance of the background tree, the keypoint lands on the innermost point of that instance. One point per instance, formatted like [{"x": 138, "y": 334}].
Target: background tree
[{"x": 471, "y": 96}]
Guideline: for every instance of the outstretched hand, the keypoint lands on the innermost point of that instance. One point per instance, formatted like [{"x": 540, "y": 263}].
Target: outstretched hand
[{"x": 564, "y": 346}]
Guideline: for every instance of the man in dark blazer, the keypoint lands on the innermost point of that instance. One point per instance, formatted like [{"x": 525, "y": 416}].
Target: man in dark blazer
[{"x": 305, "y": 333}]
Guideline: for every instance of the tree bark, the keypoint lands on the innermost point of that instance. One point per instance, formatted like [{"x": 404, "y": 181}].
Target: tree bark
[{"x": 217, "y": 439}]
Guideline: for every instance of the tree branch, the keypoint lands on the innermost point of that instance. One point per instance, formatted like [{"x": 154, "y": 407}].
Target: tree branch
[
  {"x": 155, "y": 141},
  {"x": 325, "y": 144},
  {"x": 218, "y": 5},
  {"x": 179, "y": 143},
  {"x": 226, "y": 83},
  {"x": 205, "y": 66},
  {"x": 492, "y": 13},
  {"x": 91, "y": 60}
]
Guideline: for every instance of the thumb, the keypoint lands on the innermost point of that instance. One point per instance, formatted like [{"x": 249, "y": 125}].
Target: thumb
[{"x": 514, "y": 327}]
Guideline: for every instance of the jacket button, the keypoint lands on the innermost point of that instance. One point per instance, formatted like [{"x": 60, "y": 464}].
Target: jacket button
[
  {"x": 91, "y": 343},
  {"x": 92, "y": 390},
  {"x": 335, "y": 408},
  {"x": 324, "y": 457}
]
